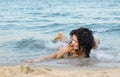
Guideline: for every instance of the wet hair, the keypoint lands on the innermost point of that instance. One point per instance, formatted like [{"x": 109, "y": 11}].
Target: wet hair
[{"x": 85, "y": 40}]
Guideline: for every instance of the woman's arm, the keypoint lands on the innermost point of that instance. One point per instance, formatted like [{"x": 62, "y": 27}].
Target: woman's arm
[
  {"x": 43, "y": 58},
  {"x": 57, "y": 55}
]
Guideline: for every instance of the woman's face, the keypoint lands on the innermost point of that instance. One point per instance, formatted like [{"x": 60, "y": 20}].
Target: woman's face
[{"x": 74, "y": 42}]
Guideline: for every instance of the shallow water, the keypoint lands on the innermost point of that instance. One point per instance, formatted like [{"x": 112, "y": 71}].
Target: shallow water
[{"x": 28, "y": 27}]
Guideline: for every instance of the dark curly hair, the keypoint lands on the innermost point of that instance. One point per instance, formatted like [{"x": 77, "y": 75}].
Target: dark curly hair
[{"x": 85, "y": 40}]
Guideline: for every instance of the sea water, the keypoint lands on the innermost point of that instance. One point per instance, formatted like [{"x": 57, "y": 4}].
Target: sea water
[{"x": 28, "y": 27}]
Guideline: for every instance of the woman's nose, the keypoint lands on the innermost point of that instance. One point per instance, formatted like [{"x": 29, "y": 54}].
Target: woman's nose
[{"x": 73, "y": 42}]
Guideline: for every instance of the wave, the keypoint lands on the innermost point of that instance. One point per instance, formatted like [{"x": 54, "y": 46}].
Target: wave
[
  {"x": 56, "y": 15},
  {"x": 104, "y": 27},
  {"x": 31, "y": 44},
  {"x": 18, "y": 51}
]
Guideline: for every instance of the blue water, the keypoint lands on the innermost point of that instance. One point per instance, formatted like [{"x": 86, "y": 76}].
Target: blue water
[{"x": 28, "y": 27}]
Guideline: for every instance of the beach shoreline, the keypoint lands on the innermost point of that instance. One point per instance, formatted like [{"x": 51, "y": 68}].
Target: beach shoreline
[{"x": 27, "y": 70}]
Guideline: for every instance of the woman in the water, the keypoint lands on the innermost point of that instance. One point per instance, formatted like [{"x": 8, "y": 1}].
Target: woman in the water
[{"x": 82, "y": 41}]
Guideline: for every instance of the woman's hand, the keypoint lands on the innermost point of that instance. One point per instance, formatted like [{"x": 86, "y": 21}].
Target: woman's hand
[{"x": 30, "y": 61}]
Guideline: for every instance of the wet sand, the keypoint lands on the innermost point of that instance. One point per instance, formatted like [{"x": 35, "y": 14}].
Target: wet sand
[{"x": 44, "y": 71}]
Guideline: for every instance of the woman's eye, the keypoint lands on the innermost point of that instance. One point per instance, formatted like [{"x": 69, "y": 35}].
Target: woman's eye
[{"x": 74, "y": 41}]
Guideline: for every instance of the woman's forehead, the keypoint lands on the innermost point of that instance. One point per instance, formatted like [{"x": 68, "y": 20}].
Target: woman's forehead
[{"x": 74, "y": 37}]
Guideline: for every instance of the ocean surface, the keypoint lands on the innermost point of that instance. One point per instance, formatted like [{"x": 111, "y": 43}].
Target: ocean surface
[{"x": 28, "y": 27}]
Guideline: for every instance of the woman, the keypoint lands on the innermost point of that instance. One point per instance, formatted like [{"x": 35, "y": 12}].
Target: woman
[{"x": 80, "y": 46}]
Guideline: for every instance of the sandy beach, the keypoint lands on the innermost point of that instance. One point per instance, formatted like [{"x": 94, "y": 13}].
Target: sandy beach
[{"x": 38, "y": 71}]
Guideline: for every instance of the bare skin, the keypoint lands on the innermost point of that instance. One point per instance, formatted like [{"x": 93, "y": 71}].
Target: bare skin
[
  {"x": 70, "y": 48},
  {"x": 60, "y": 37},
  {"x": 56, "y": 55}
]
